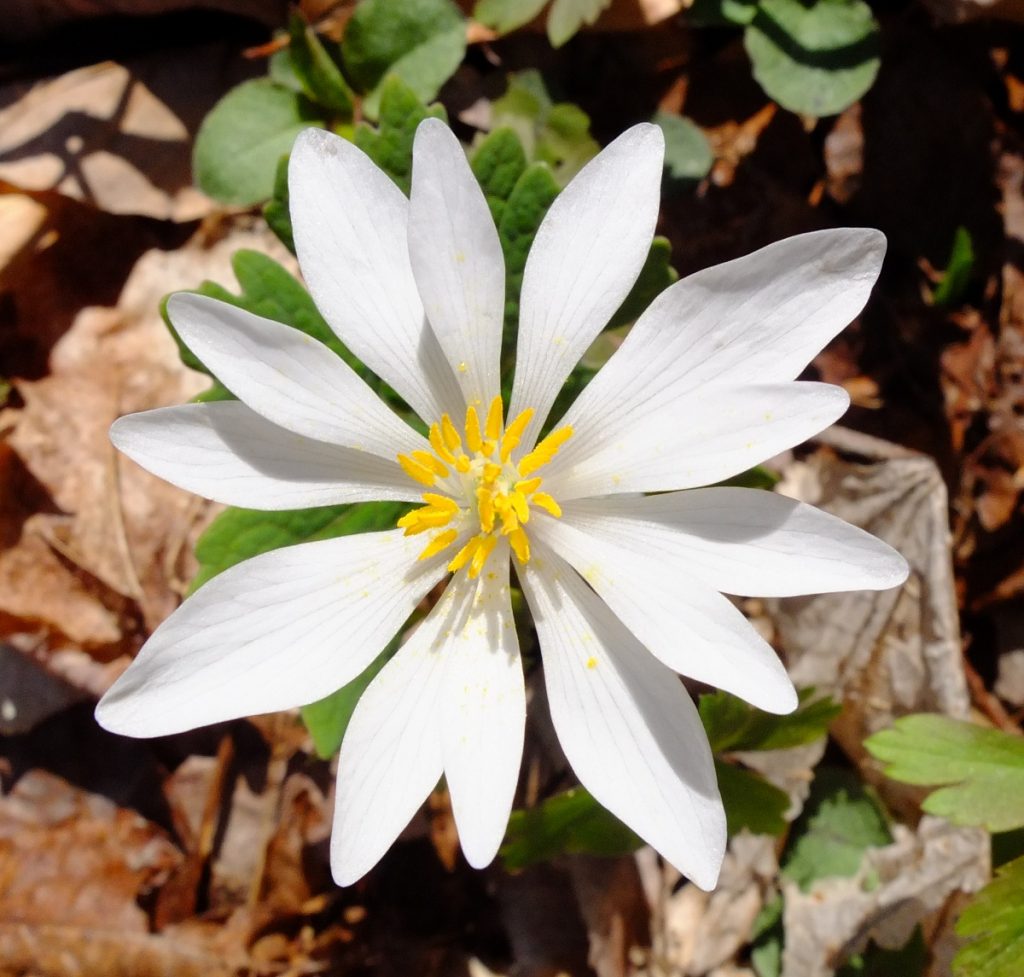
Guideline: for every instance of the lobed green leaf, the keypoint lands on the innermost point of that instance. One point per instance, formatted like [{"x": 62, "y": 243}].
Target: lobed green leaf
[
  {"x": 980, "y": 772},
  {"x": 733, "y": 725},
  {"x": 994, "y": 925}
]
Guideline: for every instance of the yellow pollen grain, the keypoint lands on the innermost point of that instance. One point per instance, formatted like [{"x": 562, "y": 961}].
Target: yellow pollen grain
[
  {"x": 544, "y": 501},
  {"x": 591, "y": 662},
  {"x": 439, "y": 542},
  {"x": 473, "y": 439},
  {"x": 416, "y": 471},
  {"x": 437, "y": 443},
  {"x": 544, "y": 451},
  {"x": 494, "y": 418},
  {"x": 463, "y": 367}
]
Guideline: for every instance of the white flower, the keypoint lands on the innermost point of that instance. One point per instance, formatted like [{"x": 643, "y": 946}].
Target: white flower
[{"x": 624, "y": 588}]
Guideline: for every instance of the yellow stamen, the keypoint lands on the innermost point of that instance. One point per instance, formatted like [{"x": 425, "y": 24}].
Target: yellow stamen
[
  {"x": 513, "y": 433},
  {"x": 420, "y": 520},
  {"x": 520, "y": 544},
  {"x": 439, "y": 542},
  {"x": 465, "y": 554},
  {"x": 544, "y": 501},
  {"x": 450, "y": 435},
  {"x": 473, "y": 439},
  {"x": 427, "y": 460},
  {"x": 528, "y": 485},
  {"x": 462, "y": 464},
  {"x": 494, "y": 418},
  {"x": 491, "y": 472},
  {"x": 484, "y": 550},
  {"x": 519, "y": 506},
  {"x": 437, "y": 443},
  {"x": 441, "y": 502},
  {"x": 417, "y": 471},
  {"x": 485, "y": 506},
  {"x": 544, "y": 451}
]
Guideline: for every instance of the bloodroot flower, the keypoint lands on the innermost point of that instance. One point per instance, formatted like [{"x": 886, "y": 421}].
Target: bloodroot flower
[{"x": 625, "y": 587}]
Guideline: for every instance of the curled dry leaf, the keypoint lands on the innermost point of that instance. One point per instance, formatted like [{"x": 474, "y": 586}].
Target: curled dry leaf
[{"x": 896, "y": 888}]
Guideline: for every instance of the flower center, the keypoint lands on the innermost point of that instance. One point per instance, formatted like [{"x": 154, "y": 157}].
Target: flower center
[{"x": 484, "y": 487}]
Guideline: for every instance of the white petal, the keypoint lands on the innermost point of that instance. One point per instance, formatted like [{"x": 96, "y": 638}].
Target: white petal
[
  {"x": 392, "y": 757},
  {"x": 626, "y": 723},
  {"x": 457, "y": 260},
  {"x": 660, "y": 440},
  {"x": 691, "y": 628},
  {"x": 483, "y": 710},
  {"x": 289, "y": 377},
  {"x": 278, "y": 631},
  {"x": 226, "y": 452},
  {"x": 582, "y": 264},
  {"x": 758, "y": 319},
  {"x": 743, "y": 541},
  {"x": 350, "y": 227}
]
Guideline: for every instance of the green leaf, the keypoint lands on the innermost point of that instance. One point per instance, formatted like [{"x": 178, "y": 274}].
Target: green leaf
[
  {"x": 276, "y": 211},
  {"x": 757, "y": 477},
  {"x": 766, "y": 939},
  {"x": 750, "y": 801},
  {"x": 238, "y": 534},
  {"x": 328, "y": 718},
  {"x": 994, "y": 924},
  {"x": 815, "y": 59},
  {"x": 839, "y": 823},
  {"x": 532, "y": 195},
  {"x": 655, "y": 276},
  {"x": 244, "y": 136},
  {"x": 498, "y": 162},
  {"x": 732, "y": 725},
  {"x": 421, "y": 41},
  {"x": 390, "y": 145},
  {"x": 950, "y": 291},
  {"x": 318, "y": 73},
  {"x": 555, "y": 134},
  {"x": 506, "y": 15},
  {"x": 984, "y": 768},
  {"x": 570, "y": 823},
  {"x": 566, "y": 17},
  {"x": 688, "y": 155},
  {"x": 909, "y": 960},
  {"x": 721, "y": 13}
]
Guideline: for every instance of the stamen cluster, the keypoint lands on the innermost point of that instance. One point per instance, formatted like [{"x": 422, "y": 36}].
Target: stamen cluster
[{"x": 487, "y": 489}]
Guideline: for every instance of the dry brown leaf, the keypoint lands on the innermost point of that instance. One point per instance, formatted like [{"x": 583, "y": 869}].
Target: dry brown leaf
[
  {"x": 119, "y": 537},
  {"x": 117, "y": 136},
  {"x": 896, "y": 888},
  {"x": 73, "y": 858},
  {"x": 888, "y": 653}
]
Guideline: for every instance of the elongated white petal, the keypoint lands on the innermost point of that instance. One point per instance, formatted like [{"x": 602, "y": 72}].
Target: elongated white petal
[
  {"x": 289, "y": 378},
  {"x": 350, "y": 227},
  {"x": 583, "y": 262},
  {"x": 662, "y": 441},
  {"x": 691, "y": 628},
  {"x": 392, "y": 756},
  {"x": 626, "y": 723},
  {"x": 742, "y": 541},
  {"x": 277, "y": 631},
  {"x": 483, "y": 710},
  {"x": 226, "y": 452},
  {"x": 758, "y": 319},
  {"x": 457, "y": 260}
]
